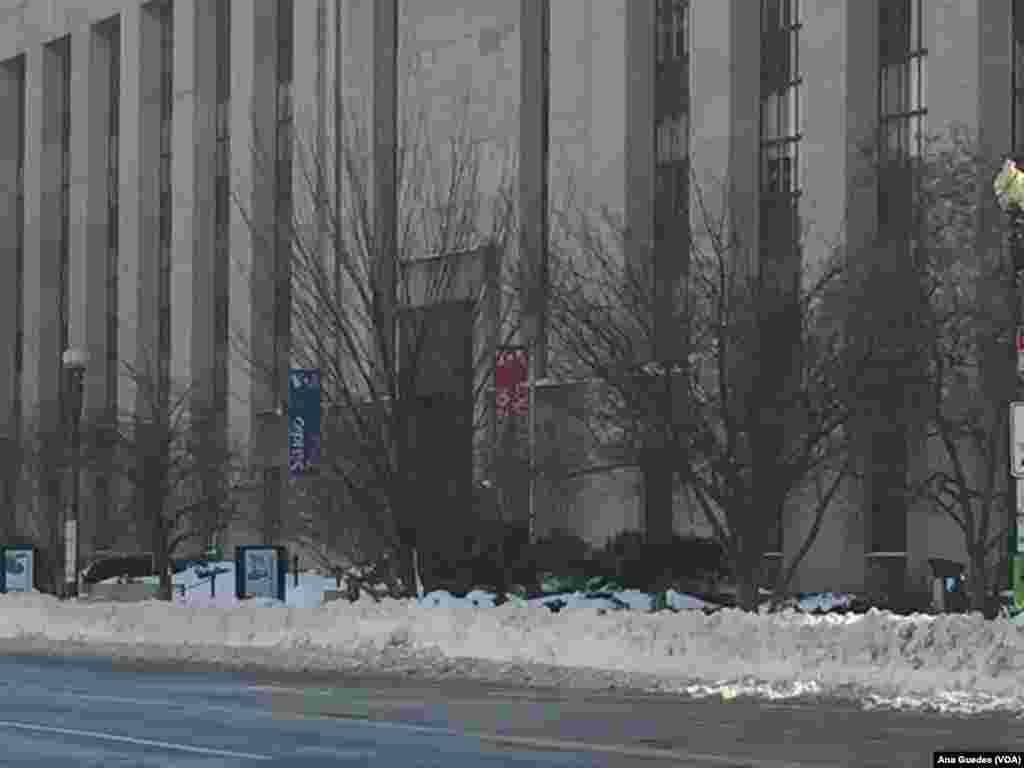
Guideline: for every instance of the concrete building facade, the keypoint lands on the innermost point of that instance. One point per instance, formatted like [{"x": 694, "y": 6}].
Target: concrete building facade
[{"x": 150, "y": 150}]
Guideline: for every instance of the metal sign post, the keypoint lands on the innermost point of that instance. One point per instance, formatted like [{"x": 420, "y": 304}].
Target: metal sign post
[{"x": 70, "y": 555}]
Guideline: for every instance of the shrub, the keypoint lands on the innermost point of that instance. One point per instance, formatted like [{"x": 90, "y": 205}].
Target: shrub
[{"x": 683, "y": 560}]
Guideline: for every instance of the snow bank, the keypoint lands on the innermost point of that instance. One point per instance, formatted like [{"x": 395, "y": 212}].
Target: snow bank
[
  {"x": 919, "y": 656},
  {"x": 192, "y": 587}
]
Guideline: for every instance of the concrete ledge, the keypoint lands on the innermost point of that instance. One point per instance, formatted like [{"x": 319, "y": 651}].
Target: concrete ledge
[{"x": 120, "y": 593}]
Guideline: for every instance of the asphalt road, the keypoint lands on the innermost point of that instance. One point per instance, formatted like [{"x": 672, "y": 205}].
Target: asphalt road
[{"x": 95, "y": 712}]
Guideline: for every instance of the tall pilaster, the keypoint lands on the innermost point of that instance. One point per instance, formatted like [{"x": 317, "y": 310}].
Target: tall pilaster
[
  {"x": 192, "y": 147},
  {"x": 534, "y": 31},
  {"x": 11, "y": 289},
  {"x": 640, "y": 148},
  {"x": 385, "y": 160},
  {"x": 138, "y": 305},
  {"x": 11, "y": 223},
  {"x": 90, "y": 99},
  {"x": 253, "y": 110}
]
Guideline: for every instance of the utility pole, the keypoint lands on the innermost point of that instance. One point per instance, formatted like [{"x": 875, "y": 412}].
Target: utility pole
[{"x": 534, "y": 109}]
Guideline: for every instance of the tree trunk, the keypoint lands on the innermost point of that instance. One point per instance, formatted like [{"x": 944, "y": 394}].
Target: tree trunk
[
  {"x": 977, "y": 583},
  {"x": 161, "y": 559},
  {"x": 747, "y": 592},
  {"x": 406, "y": 564},
  {"x": 658, "y": 514},
  {"x": 747, "y": 581}
]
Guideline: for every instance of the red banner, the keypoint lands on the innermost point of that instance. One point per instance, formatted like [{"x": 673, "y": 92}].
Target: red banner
[{"x": 511, "y": 382}]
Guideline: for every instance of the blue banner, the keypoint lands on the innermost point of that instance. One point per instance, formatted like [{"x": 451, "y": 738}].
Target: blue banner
[{"x": 303, "y": 421}]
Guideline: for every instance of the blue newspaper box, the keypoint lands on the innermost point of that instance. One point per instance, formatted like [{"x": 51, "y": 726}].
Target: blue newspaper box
[
  {"x": 18, "y": 573},
  {"x": 260, "y": 571}
]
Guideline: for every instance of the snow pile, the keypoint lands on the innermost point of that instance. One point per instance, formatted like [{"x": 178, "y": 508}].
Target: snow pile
[
  {"x": 192, "y": 587},
  {"x": 826, "y": 601},
  {"x": 727, "y": 652}
]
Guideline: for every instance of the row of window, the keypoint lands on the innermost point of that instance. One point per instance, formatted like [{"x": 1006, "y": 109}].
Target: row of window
[{"x": 165, "y": 16}]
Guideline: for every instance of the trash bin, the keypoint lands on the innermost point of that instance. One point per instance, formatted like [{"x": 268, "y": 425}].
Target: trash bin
[{"x": 948, "y": 592}]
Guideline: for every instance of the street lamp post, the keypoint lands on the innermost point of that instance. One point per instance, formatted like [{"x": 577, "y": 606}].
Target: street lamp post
[
  {"x": 74, "y": 369},
  {"x": 272, "y": 442}
]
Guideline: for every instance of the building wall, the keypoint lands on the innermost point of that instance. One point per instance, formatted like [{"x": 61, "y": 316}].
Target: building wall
[{"x": 458, "y": 78}]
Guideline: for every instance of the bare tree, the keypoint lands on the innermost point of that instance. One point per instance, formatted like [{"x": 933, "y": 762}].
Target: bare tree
[
  {"x": 958, "y": 346},
  {"x": 753, "y": 415},
  {"x": 161, "y": 453},
  {"x": 404, "y": 338},
  {"x": 44, "y": 460}
]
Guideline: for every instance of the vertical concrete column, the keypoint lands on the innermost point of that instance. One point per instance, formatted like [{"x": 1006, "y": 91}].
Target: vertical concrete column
[
  {"x": 949, "y": 31},
  {"x": 42, "y": 241},
  {"x": 640, "y": 147},
  {"x": 140, "y": 143},
  {"x": 995, "y": 118},
  {"x": 995, "y": 105},
  {"x": 191, "y": 148},
  {"x": 711, "y": 116},
  {"x": 32, "y": 229},
  {"x": 90, "y": 98},
  {"x": 861, "y": 118},
  {"x": 385, "y": 156},
  {"x": 861, "y": 112},
  {"x": 839, "y": 545},
  {"x": 534, "y": 79},
  {"x": 10, "y": 281},
  {"x": 88, "y": 234},
  {"x": 253, "y": 111},
  {"x": 823, "y": 156},
  {"x": 128, "y": 225}
]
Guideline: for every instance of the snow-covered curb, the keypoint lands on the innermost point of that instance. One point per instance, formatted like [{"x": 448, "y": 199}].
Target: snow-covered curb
[{"x": 918, "y": 656}]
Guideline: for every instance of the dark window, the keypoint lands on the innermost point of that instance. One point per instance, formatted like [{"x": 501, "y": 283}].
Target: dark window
[
  {"x": 780, "y": 132},
  {"x": 61, "y": 50},
  {"x": 18, "y": 66},
  {"x": 285, "y": 42},
  {"x": 222, "y": 206},
  {"x": 283, "y": 182},
  {"x": 673, "y": 19},
  {"x": 111, "y": 33},
  {"x": 165, "y": 211},
  {"x": 901, "y": 112},
  {"x": 672, "y": 120}
]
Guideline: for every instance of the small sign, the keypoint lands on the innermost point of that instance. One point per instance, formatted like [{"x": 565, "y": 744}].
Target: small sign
[
  {"x": 1017, "y": 440},
  {"x": 512, "y": 382},
  {"x": 261, "y": 571},
  {"x": 1020, "y": 350},
  {"x": 19, "y": 569},
  {"x": 70, "y": 551},
  {"x": 1018, "y": 583}
]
